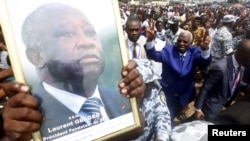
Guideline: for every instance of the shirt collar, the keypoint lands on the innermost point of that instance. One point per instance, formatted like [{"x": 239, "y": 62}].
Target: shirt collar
[
  {"x": 131, "y": 44},
  {"x": 184, "y": 54},
  {"x": 70, "y": 100},
  {"x": 235, "y": 63}
]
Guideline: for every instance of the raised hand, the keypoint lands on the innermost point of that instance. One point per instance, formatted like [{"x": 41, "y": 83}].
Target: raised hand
[
  {"x": 150, "y": 31},
  {"x": 205, "y": 42}
]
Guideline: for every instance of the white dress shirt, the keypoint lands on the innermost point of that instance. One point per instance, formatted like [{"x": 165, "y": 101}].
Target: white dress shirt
[
  {"x": 131, "y": 48},
  {"x": 72, "y": 101}
]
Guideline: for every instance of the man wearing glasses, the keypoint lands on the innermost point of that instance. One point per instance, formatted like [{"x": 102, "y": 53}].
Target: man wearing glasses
[{"x": 178, "y": 64}]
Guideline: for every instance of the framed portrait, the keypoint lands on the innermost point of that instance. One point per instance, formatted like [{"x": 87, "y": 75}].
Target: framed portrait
[{"x": 71, "y": 53}]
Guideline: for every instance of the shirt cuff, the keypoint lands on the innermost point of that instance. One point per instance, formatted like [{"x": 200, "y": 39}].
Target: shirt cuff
[
  {"x": 197, "y": 110},
  {"x": 205, "y": 53},
  {"x": 150, "y": 45},
  {"x": 229, "y": 51}
]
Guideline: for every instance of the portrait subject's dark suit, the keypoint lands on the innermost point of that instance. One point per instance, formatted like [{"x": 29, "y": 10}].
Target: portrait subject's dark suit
[
  {"x": 58, "y": 115},
  {"x": 177, "y": 78},
  {"x": 216, "y": 89}
]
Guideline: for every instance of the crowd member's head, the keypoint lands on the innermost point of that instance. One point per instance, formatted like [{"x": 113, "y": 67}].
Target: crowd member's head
[
  {"x": 63, "y": 45},
  {"x": 159, "y": 25},
  {"x": 242, "y": 53},
  {"x": 196, "y": 22},
  {"x": 185, "y": 39},
  {"x": 244, "y": 27},
  {"x": 133, "y": 28},
  {"x": 246, "y": 23},
  {"x": 174, "y": 23},
  {"x": 220, "y": 23},
  {"x": 209, "y": 23},
  {"x": 228, "y": 20},
  {"x": 204, "y": 19}
]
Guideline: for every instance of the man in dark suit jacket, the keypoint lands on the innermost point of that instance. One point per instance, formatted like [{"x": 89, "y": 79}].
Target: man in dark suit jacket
[
  {"x": 178, "y": 77},
  {"x": 218, "y": 89}
]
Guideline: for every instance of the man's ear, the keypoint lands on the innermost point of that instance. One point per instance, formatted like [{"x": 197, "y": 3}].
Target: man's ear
[{"x": 34, "y": 57}]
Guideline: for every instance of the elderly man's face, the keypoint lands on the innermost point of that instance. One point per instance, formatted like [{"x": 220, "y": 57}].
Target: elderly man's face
[
  {"x": 183, "y": 42},
  {"x": 71, "y": 38}
]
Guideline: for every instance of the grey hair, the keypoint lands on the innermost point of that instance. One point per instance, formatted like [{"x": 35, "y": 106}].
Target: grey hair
[
  {"x": 35, "y": 25},
  {"x": 189, "y": 34}
]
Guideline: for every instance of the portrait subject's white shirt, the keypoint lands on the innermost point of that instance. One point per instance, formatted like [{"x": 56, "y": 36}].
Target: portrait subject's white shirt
[{"x": 72, "y": 101}]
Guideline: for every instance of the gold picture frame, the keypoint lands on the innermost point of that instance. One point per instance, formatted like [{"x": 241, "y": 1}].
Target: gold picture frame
[{"x": 104, "y": 15}]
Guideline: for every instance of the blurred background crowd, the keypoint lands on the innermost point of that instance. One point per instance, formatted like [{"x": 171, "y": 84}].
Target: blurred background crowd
[{"x": 225, "y": 22}]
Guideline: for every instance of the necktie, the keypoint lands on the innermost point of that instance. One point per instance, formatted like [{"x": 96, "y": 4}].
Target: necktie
[
  {"x": 134, "y": 51},
  {"x": 182, "y": 59},
  {"x": 236, "y": 79},
  {"x": 92, "y": 108}
]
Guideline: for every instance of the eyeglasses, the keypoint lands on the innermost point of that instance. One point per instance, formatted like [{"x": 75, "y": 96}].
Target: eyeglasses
[{"x": 185, "y": 42}]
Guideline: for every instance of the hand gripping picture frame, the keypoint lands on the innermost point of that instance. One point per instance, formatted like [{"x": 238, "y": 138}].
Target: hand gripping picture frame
[{"x": 81, "y": 44}]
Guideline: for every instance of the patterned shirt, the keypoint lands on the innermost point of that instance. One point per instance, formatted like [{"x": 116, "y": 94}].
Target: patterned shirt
[
  {"x": 222, "y": 44},
  {"x": 157, "y": 116},
  {"x": 237, "y": 39},
  {"x": 170, "y": 37},
  {"x": 153, "y": 106},
  {"x": 198, "y": 35},
  {"x": 161, "y": 35}
]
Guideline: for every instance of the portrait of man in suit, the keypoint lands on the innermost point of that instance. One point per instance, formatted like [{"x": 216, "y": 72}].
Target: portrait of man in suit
[{"x": 68, "y": 55}]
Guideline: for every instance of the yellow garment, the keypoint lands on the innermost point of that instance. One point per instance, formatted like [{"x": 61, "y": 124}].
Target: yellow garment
[{"x": 198, "y": 35}]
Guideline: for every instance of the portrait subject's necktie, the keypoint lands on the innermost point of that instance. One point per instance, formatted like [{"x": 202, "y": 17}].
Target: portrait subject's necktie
[
  {"x": 92, "y": 108},
  {"x": 236, "y": 78},
  {"x": 134, "y": 55}
]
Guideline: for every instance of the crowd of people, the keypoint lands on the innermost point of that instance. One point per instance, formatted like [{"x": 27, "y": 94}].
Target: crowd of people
[
  {"x": 196, "y": 45},
  {"x": 171, "y": 49}
]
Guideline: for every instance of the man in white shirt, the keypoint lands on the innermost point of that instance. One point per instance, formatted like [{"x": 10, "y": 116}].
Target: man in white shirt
[{"x": 135, "y": 41}]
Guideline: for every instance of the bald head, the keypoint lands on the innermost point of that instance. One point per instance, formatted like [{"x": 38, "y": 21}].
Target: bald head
[
  {"x": 242, "y": 54},
  {"x": 244, "y": 45}
]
